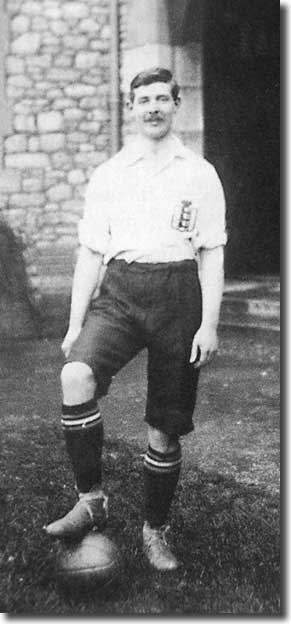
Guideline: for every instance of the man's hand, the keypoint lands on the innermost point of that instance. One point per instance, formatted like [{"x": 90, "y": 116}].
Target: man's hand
[
  {"x": 204, "y": 346},
  {"x": 70, "y": 337}
]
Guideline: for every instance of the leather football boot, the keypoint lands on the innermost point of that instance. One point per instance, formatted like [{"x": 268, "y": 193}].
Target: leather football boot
[
  {"x": 90, "y": 512},
  {"x": 157, "y": 550}
]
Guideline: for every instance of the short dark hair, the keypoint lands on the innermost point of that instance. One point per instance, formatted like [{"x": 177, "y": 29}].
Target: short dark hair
[{"x": 155, "y": 74}]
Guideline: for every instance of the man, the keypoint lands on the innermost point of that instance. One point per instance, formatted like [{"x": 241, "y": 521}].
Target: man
[{"x": 151, "y": 212}]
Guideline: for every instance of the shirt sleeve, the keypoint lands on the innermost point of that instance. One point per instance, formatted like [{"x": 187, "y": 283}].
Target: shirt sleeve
[
  {"x": 94, "y": 230},
  {"x": 210, "y": 228}
]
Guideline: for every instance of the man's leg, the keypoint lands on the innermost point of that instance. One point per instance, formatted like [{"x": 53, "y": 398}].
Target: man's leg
[
  {"x": 83, "y": 431},
  {"x": 162, "y": 465},
  {"x": 172, "y": 386}
]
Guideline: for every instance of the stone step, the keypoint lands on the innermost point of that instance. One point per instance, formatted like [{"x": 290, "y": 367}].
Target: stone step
[{"x": 252, "y": 303}]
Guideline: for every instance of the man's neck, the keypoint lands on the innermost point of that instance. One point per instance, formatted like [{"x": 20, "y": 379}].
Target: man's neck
[{"x": 155, "y": 147}]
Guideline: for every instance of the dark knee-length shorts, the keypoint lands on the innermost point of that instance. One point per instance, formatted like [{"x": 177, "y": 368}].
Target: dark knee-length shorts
[{"x": 153, "y": 306}]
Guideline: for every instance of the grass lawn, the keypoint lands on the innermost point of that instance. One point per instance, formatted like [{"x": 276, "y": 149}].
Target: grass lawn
[{"x": 225, "y": 518}]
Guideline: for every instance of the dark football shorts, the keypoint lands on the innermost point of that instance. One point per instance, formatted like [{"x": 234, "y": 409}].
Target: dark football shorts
[{"x": 153, "y": 306}]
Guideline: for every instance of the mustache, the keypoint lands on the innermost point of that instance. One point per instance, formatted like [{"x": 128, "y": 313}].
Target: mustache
[{"x": 154, "y": 117}]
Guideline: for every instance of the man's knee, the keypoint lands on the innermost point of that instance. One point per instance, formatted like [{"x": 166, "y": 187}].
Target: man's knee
[
  {"x": 162, "y": 442},
  {"x": 78, "y": 382}
]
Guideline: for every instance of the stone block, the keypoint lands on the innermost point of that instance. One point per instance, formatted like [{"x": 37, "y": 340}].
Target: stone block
[
  {"x": 76, "y": 176},
  {"x": 99, "y": 45},
  {"x": 39, "y": 24},
  {"x": 23, "y": 107},
  {"x": 27, "y": 161},
  {"x": 73, "y": 114},
  {"x": 63, "y": 104},
  {"x": 32, "y": 185},
  {"x": 14, "y": 92},
  {"x": 10, "y": 182},
  {"x": 80, "y": 191},
  {"x": 64, "y": 60},
  {"x": 3, "y": 204},
  {"x": 16, "y": 143},
  {"x": 51, "y": 208},
  {"x": 76, "y": 137},
  {"x": 20, "y": 24},
  {"x": 58, "y": 27},
  {"x": 49, "y": 39},
  {"x": 75, "y": 10},
  {"x": 32, "y": 7},
  {"x": 33, "y": 144},
  {"x": 68, "y": 240},
  {"x": 80, "y": 90},
  {"x": 14, "y": 7},
  {"x": 91, "y": 103},
  {"x": 88, "y": 159},
  {"x": 27, "y": 43},
  {"x": 90, "y": 126},
  {"x": 53, "y": 177},
  {"x": 52, "y": 142},
  {"x": 19, "y": 80},
  {"x": 54, "y": 13},
  {"x": 75, "y": 42},
  {"x": 50, "y": 121},
  {"x": 86, "y": 60},
  {"x": 63, "y": 160},
  {"x": 27, "y": 200},
  {"x": 53, "y": 93},
  {"x": 89, "y": 26},
  {"x": 86, "y": 147},
  {"x": 38, "y": 104},
  {"x": 24, "y": 123},
  {"x": 14, "y": 65},
  {"x": 74, "y": 206},
  {"x": 39, "y": 60},
  {"x": 60, "y": 192},
  {"x": 101, "y": 141},
  {"x": 99, "y": 115},
  {"x": 57, "y": 74}
]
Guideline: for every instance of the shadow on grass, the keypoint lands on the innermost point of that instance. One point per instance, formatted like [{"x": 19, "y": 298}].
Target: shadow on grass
[{"x": 226, "y": 535}]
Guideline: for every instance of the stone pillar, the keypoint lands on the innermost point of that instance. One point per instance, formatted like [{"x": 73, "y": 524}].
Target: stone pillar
[
  {"x": 169, "y": 34},
  {"x": 148, "y": 38},
  {"x": 187, "y": 29}
]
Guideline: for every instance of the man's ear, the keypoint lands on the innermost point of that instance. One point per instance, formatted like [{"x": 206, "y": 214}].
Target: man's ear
[
  {"x": 177, "y": 101},
  {"x": 129, "y": 103}
]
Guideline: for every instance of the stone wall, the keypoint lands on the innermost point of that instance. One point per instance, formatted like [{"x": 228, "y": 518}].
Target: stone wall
[{"x": 57, "y": 86}]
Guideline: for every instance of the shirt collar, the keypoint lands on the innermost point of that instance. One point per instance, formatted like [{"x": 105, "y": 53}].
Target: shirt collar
[{"x": 138, "y": 149}]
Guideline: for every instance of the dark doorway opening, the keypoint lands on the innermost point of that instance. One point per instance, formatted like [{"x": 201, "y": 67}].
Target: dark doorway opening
[{"x": 241, "y": 42}]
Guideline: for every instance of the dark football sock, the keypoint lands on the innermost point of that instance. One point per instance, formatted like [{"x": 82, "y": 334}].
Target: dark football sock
[
  {"x": 161, "y": 474},
  {"x": 83, "y": 430}
]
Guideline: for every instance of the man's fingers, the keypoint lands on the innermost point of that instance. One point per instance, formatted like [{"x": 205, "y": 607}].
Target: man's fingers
[
  {"x": 205, "y": 358},
  {"x": 194, "y": 353},
  {"x": 66, "y": 348},
  {"x": 202, "y": 359}
]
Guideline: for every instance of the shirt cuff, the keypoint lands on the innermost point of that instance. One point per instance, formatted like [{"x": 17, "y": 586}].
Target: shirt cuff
[{"x": 99, "y": 244}]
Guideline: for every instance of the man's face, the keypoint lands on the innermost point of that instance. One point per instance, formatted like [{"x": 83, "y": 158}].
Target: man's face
[{"x": 153, "y": 109}]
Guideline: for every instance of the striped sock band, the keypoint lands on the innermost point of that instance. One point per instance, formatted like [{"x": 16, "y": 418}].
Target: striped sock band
[
  {"x": 161, "y": 474},
  {"x": 161, "y": 463},
  {"x": 81, "y": 416},
  {"x": 83, "y": 430}
]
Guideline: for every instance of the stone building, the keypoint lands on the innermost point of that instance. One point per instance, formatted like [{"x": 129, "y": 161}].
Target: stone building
[{"x": 65, "y": 66}]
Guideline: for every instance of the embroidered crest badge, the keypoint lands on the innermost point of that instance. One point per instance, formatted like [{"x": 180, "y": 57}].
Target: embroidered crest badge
[{"x": 184, "y": 217}]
